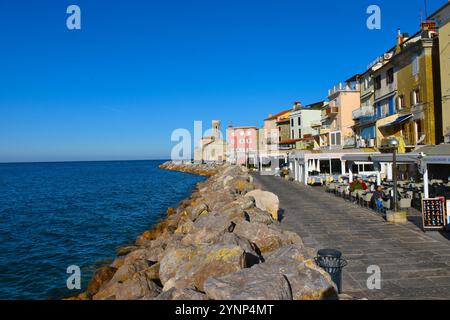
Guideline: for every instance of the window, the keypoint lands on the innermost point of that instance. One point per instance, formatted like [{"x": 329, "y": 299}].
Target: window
[
  {"x": 366, "y": 83},
  {"x": 415, "y": 65},
  {"x": 378, "y": 83},
  {"x": 416, "y": 99},
  {"x": 299, "y": 121},
  {"x": 390, "y": 76},
  {"x": 335, "y": 139},
  {"x": 293, "y": 135},
  {"x": 292, "y": 122},
  {"x": 299, "y": 133},
  {"x": 401, "y": 102}
]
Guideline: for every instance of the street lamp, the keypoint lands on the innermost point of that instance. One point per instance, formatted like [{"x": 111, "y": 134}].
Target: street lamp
[{"x": 392, "y": 144}]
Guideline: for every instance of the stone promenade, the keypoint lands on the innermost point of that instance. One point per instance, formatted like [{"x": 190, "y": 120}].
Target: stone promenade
[{"x": 414, "y": 265}]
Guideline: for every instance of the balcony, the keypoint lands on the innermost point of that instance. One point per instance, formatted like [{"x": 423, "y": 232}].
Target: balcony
[
  {"x": 344, "y": 87},
  {"x": 316, "y": 124},
  {"x": 325, "y": 129},
  {"x": 363, "y": 112},
  {"x": 332, "y": 111}
]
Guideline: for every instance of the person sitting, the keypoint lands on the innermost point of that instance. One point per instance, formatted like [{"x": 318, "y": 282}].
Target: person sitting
[
  {"x": 358, "y": 185},
  {"x": 377, "y": 199}
]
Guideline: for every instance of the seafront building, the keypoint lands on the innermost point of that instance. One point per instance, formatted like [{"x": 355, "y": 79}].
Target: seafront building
[
  {"x": 336, "y": 121},
  {"x": 242, "y": 148},
  {"x": 419, "y": 110},
  {"x": 302, "y": 121},
  {"x": 404, "y": 94},
  {"x": 364, "y": 126},
  {"x": 211, "y": 148},
  {"x": 442, "y": 17}
]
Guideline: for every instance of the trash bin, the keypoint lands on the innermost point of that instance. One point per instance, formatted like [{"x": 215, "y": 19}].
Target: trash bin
[{"x": 331, "y": 261}]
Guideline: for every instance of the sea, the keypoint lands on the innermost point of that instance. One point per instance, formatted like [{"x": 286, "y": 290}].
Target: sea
[{"x": 57, "y": 215}]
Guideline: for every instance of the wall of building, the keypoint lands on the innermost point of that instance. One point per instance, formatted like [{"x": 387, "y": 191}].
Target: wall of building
[
  {"x": 443, "y": 19},
  {"x": 242, "y": 144},
  {"x": 349, "y": 102},
  {"x": 309, "y": 117}
]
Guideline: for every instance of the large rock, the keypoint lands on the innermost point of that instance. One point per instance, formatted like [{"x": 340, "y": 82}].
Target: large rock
[
  {"x": 283, "y": 277},
  {"x": 181, "y": 294},
  {"x": 266, "y": 239},
  {"x": 172, "y": 260},
  {"x": 100, "y": 277},
  {"x": 135, "y": 288},
  {"x": 266, "y": 201},
  {"x": 251, "y": 256},
  {"x": 217, "y": 200},
  {"x": 127, "y": 270},
  {"x": 209, "y": 261},
  {"x": 198, "y": 210},
  {"x": 207, "y": 230},
  {"x": 256, "y": 215},
  {"x": 151, "y": 254},
  {"x": 249, "y": 284}
]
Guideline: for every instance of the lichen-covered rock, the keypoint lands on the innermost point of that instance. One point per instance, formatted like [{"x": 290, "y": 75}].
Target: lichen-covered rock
[
  {"x": 198, "y": 210},
  {"x": 309, "y": 282},
  {"x": 100, "y": 277},
  {"x": 209, "y": 261},
  {"x": 245, "y": 203},
  {"x": 182, "y": 294},
  {"x": 123, "y": 251},
  {"x": 127, "y": 271},
  {"x": 256, "y": 215},
  {"x": 251, "y": 254},
  {"x": 151, "y": 254},
  {"x": 135, "y": 288},
  {"x": 172, "y": 260},
  {"x": 266, "y": 239},
  {"x": 249, "y": 284},
  {"x": 266, "y": 201},
  {"x": 282, "y": 277}
]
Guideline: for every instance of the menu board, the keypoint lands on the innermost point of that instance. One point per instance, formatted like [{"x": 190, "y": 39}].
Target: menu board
[
  {"x": 448, "y": 212},
  {"x": 433, "y": 214}
]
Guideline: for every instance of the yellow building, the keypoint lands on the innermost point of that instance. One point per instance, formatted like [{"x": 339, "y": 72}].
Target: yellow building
[
  {"x": 442, "y": 17},
  {"x": 418, "y": 118}
]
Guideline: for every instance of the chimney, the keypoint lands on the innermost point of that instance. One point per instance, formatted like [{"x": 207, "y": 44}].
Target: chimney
[
  {"x": 270, "y": 116},
  {"x": 400, "y": 40}
]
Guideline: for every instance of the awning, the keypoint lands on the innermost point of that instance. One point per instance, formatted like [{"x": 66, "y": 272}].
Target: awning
[{"x": 399, "y": 120}]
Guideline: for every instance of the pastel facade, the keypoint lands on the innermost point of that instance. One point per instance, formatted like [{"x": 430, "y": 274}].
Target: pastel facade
[
  {"x": 337, "y": 119},
  {"x": 417, "y": 63},
  {"x": 242, "y": 145},
  {"x": 304, "y": 122},
  {"x": 364, "y": 117},
  {"x": 405, "y": 103},
  {"x": 442, "y": 17},
  {"x": 276, "y": 128}
]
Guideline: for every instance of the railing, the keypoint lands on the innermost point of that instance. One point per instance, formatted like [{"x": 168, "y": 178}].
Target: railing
[
  {"x": 350, "y": 141},
  {"x": 316, "y": 124},
  {"x": 363, "y": 112},
  {"x": 344, "y": 87},
  {"x": 332, "y": 110}
]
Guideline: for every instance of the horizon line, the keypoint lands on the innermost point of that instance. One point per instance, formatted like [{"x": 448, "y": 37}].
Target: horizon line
[{"x": 77, "y": 161}]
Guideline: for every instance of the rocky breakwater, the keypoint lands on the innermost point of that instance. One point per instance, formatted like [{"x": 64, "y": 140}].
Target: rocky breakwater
[{"x": 222, "y": 243}]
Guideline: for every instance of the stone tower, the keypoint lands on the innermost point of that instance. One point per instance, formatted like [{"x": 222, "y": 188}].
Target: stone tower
[{"x": 216, "y": 129}]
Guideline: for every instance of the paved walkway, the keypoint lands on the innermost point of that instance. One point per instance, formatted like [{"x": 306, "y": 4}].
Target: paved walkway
[{"x": 414, "y": 265}]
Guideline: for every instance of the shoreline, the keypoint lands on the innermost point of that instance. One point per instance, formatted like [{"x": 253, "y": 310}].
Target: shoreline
[{"x": 223, "y": 242}]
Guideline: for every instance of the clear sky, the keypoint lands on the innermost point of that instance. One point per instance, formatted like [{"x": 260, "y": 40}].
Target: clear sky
[{"x": 137, "y": 70}]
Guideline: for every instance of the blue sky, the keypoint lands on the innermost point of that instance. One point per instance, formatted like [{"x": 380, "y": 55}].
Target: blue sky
[{"x": 137, "y": 70}]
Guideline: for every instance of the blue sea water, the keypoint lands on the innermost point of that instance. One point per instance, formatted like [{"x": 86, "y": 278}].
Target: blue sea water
[{"x": 54, "y": 215}]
